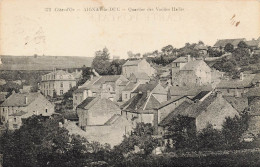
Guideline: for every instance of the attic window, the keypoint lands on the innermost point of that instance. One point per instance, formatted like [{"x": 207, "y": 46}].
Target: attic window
[{"x": 46, "y": 110}]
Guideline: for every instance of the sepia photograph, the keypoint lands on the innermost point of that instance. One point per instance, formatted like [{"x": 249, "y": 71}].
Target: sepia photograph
[{"x": 130, "y": 83}]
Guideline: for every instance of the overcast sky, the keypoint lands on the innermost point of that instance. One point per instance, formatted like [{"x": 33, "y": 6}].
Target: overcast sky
[{"x": 27, "y": 29}]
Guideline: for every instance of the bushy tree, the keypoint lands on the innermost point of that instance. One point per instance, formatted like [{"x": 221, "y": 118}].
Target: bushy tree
[
  {"x": 242, "y": 44},
  {"x": 229, "y": 47},
  {"x": 116, "y": 66},
  {"x": 101, "y": 62},
  {"x": 41, "y": 142},
  {"x": 141, "y": 137}
]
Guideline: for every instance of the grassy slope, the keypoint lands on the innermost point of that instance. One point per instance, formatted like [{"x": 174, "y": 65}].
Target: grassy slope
[{"x": 43, "y": 62}]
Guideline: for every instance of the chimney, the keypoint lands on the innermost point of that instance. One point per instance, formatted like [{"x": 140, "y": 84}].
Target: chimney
[
  {"x": 241, "y": 76},
  {"x": 188, "y": 58},
  {"x": 91, "y": 77},
  {"x": 13, "y": 92},
  {"x": 25, "y": 100},
  {"x": 219, "y": 94}
]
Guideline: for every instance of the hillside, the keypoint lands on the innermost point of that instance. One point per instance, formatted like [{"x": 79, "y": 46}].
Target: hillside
[{"x": 43, "y": 62}]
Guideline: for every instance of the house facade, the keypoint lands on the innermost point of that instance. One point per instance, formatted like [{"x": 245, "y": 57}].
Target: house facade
[
  {"x": 109, "y": 87},
  {"x": 190, "y": 73},
  {"x": 137, "y": 66},
  {"x": 96, "y": 111},
  {"x": 57, "y": 82},
  {"x": 23, "y": 105}
]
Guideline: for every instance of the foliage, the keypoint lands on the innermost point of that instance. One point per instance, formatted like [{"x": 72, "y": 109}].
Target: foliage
[
  {"x": 41, "y": 142},
  {"x": 101, "y": 62},
  {"x": 141, "y": 137},
  {"x": 229, "y": 47},
  {"x": 214, "y": 52},
  {"x": 182, "y": 131},
  {"x": 242, "y": 45},
  {"x": 116, "y": 66},
  {"x": 233, "y": 128}
]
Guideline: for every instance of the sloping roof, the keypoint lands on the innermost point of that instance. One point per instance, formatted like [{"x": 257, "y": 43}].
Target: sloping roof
[
  {"x": 201, "y": 47},
  {"x": 200, "y": 95},
  {"x": 177, "y": 111},
  {"x": 18, "y": 99},
  {"x": 123, "y": 83},
  {"x": 237, "y": 83},
  {"x": 141, "y": 75},
  {"x": 87, "y": 103},
  {"x": 181, "y": 60},
  {"x": 145, "y": 87},
  {"x": 253, "y": 92},
  {"x": 223, "y": 42},
  {"x": 132, "y": 62},
  {"x": 107, "y": 78},
  {"x": 130, "y": 86},
  {"x": 141, "y": 103},
  {"x": 239, "y": 103},
  {"x": 254, "y": 107},
  {"x": 112, "y": 119},
  {"x": 20, "y": 113},
  {"x": 188, "y": 91},
  {"x": 253, "y": 43},
  {"x": 174, "y": 99},
  {"x": 192, "y": 65}
]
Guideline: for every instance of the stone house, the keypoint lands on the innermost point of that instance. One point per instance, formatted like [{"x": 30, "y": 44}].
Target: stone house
[
  {"x": 108, "y": 86},
  {"x": 129, "y": 88},
  {"x": 236, "y": 87},
  {"x": 23, "y": 105},
  {"x": 212, "y": 109},
  {"x": 144, "y": 99},
  {"x": 111, "y": 132},
  {"x": 96, "y": 111},
  {"x": 139, "y": 77},
  {"x": 57, "y": 82},
  {"x": 137, "y": 66},
  {"x": 193, "y": 72}
]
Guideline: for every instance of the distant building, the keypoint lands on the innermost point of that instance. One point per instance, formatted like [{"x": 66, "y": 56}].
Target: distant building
[
  {"x": 137, "y": 66},
  {"x": 254, "y": 44},
  {"x": 57, "y": 82},
  {"x": 220, "y": 44},
  {"x": 187, "y": 72},
  {"x": 96, "y": 111},
  {"x": 139, "y": 77},
  {"x": 23, "y": 105},
  {"x": 107, "y": 86},
  {"x": 212, "y": 109},
  {"x": 236, "y": 87},
  {"x": 144, "y": 99},
  {"x": 203, "y": 50}
]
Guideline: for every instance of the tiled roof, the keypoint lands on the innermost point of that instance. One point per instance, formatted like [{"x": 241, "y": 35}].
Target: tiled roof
[
  {"x": 192, "y": 65},
  {"x": 188, "y": 91},
  {"x": 112, "y": 119},
  {"x": 132, "y": 62},
  {"x": 200, "y": 95},
  {"x": 107, "y": 78},
  {"x": 239, "y": 103},
  {"x": 123, "y": 83},
  {"x": 141, "y": 103},
  {"x": 130, "y": 86},
  {"x": 253, "y": 43},
  {"x": 87, "y": 103},
  {"x": 254, "y": 107},
  {"x": 177, "y": 111},
  {"x": 223, "y": 42},
  {"x": 141, "y": 75},
  {"x": 18, "y": 99},
  {"x": 237, "y": 83},
  {"x": 253, "y": 92},
  {"x": 145, "y": 87},
  {"x": 174, "y": 99},
  {"x": 181, "y": 60},
  {"x": 20, "y": 113}
]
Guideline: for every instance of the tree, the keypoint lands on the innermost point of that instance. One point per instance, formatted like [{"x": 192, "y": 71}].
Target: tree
[
  {"x": 41, "y": 142},
  {"x": 141, "y": 137},
  {"x": 101, "y": 62},
  {"x": 233, "y": 128},
  {"x": 229, "y": 47},
  {"x": 242, "y": 44},
  {"x": 116, "y": 67},
  {"x": 167, "y": 49}
]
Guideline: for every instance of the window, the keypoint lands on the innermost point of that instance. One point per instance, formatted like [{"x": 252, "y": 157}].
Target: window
[
  {"x": 126, "y": 96},
  {"x": 46, "y": 110},
  {"x": 61, "y": 92},
  {"x": 228, "y": 90},
  {"x": 14, "y": 119},
  {"x": 70, "y": 85},
  {"x": 76, "y": 97},
  {"x": 61, "y": 84}
]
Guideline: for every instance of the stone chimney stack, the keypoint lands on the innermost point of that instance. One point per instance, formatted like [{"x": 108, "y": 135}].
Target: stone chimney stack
[
  {"x": 25, "y": 100},
  {"x": 219, "y": 94},
  {"x": 241, "y": 76},
  {"x": 188, "y": 58}
]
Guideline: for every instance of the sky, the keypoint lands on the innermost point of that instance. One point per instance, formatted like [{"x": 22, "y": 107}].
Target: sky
[{"x": 27, "y": 27}]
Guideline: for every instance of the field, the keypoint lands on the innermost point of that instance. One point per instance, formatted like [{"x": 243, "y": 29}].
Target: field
[{"x": 43, "y": 62}]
